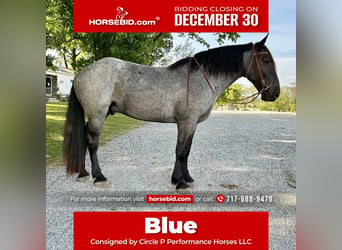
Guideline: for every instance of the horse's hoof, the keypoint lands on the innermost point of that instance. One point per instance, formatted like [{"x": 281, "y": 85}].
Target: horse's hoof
[
  {"x": 174, "y": 181},
  {"x": 181, "y": 185},
  {"x": 191, "y": 184},
  {"x": 188, "y": 179},
  {"x": 101, "y": 184},
  {"x": 83, "y": 178}
]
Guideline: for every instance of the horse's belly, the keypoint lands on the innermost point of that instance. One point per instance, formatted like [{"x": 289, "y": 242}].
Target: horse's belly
[
  {"x": 149, "y": 117},
  {"x": 153, "y": 112}
]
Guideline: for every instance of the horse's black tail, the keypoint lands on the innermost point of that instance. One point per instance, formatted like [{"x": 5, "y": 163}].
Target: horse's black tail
[{"x": 74, "y": 144}]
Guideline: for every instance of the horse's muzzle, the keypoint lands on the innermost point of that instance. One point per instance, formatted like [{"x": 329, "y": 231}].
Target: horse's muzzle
[{"x": 270, "y": 97}]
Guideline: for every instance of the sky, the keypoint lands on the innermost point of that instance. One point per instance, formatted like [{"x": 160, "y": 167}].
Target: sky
[{"x": 281, "y": 40}]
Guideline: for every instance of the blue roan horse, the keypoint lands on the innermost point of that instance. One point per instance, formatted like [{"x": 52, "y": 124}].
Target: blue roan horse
[{"x": 178, "y": 94}]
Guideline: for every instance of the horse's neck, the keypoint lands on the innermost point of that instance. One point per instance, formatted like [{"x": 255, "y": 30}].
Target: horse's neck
[{"x": 221, "y": 83}]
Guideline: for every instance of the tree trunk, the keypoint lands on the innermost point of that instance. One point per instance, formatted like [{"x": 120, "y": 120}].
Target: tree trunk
[
  {"x": 65, "y": 61},
  {"x": 73, "y": 58}
]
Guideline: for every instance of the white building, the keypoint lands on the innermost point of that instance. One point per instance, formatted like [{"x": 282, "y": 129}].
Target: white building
[{"x": 59, "y": 82}]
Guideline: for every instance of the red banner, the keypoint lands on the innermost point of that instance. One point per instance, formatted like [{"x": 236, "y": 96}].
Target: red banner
[
  {"x": 167, "y": 230},
  {"x": 171, "y": 16}
]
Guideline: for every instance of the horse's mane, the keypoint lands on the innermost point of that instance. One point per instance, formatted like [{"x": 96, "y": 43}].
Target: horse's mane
[{"x": 217, "y": 60}]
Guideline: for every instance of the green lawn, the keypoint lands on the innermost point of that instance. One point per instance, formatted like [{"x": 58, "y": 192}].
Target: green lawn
[{"x": 55, "y": 117}]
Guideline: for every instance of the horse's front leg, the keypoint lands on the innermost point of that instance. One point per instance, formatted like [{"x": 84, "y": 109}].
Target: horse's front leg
[{"x": 180, "y": 175}]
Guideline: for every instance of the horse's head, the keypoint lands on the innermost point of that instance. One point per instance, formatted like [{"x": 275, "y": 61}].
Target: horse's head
[{"x": 261, "y": 71}]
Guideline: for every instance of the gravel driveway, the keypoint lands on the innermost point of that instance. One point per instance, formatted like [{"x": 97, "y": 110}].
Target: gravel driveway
[{"x": 233, "y": 153}]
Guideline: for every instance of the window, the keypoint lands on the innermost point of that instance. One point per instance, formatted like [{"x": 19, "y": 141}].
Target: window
[{"x": 48, "y": 86}]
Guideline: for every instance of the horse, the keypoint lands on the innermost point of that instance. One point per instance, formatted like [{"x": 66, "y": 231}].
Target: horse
[{"x": 183, "y": 93}]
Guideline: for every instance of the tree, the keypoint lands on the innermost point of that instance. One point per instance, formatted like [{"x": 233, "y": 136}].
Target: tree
[
  {"x": 234, "y": 92},
  {"x": 143, "y": 48},
  {"x": 59, "y": 31},
  {"x": 220, "y": 37},
  {"x": 49, "y": 62},
  {"x": 178, "y": 52},
  {"x": 78, "y": 49},
  {"x": 286, "y": 102}
]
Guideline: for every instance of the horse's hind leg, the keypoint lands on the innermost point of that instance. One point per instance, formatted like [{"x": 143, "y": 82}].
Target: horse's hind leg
[
  {"x": 180, "y": 175},
  {"x": 83, "y": 175},
  {"x": 93, "y": 133}
]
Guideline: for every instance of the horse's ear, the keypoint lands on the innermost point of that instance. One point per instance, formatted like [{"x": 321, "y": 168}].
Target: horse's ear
[{"x": 261, "y": 43}]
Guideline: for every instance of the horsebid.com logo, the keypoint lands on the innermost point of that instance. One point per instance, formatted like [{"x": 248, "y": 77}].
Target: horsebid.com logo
[{"x": 121, "y": 13}]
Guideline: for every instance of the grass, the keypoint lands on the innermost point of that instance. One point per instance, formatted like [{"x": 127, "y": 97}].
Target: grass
[{"x": 55, "y": 118}]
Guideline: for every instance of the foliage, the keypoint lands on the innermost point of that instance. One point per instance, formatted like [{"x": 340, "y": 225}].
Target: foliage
[
  {"x": 182, "y": 50},
  {"x": 143, "y": 48},
  {"x": 221, "y": 37},
  {"x": 59, "y": 31},
  {"x": 78, "y": 49},
  {"x": 285, "y": 103},
  {"x": 234, "y": 92},
  {"x": 185, "y": 49},
  {"x": 55, "y": 119},
  {"x": 49, "y": 62}
]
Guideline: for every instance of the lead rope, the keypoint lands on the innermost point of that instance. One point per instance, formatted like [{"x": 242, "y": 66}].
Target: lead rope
[
  {"x": 236, "y": 101},
  {"x": 188, "y": 86}
]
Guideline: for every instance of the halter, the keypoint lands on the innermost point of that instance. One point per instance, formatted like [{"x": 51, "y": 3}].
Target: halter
[
  {"x": 236, "y": 101},
  {"x": 255, "y": 56}
]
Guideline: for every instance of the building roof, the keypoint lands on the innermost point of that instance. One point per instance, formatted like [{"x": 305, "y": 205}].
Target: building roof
[{"x": 61, "y": 71}]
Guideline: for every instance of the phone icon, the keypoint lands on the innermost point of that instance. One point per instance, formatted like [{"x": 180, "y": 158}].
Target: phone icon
[{"x": 220, "y": 198}]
